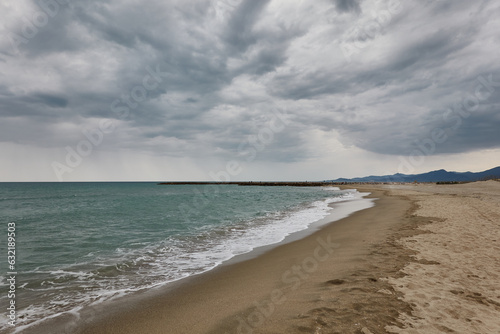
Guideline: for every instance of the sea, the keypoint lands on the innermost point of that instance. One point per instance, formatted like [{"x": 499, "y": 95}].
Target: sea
[{"x": 79, "y": 244}]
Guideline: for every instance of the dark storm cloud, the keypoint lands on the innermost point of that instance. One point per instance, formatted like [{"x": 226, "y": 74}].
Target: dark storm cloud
[
  {"x": 48, "y": 99},
  {"x": 201, "y": 77},
  {"x": 240, "y": 36},
  {"x": 347, "y": 6}
]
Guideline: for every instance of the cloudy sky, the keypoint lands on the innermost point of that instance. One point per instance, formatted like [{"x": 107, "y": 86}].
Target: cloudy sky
[{"x": 247, "y": 89}]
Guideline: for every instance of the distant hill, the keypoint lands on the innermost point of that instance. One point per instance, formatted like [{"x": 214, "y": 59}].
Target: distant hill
[{"x": 434, "y": 176}]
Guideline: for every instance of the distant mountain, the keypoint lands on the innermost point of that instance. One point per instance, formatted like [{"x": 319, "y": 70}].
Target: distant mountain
[{"x": 434, "y": 176}]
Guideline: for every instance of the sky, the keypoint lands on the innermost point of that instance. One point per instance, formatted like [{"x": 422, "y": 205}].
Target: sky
[{"x": 129, "y": 90}]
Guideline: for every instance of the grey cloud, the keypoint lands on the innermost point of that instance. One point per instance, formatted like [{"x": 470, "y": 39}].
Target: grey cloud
[
  {"x": 53, "y": 34},
  {"x": 95, "y": 53},
  {"x": 433, "y": 50},
  {"x": 239, "y": 34},
  {"x": 49, "y": 100},
  {"x": 344, "y": 6},
  {"x": 309, "y": 85}
]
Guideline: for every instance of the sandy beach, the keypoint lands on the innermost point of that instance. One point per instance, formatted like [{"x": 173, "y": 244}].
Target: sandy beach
[
  {"x": 424, "y": 259},
  {"x": 453, "y": 280}
]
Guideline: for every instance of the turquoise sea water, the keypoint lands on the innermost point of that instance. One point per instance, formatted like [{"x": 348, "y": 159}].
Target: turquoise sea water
[{"x": 83, "y": 243}]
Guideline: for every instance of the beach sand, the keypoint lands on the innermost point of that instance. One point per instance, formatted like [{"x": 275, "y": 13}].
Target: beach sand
[
  {"x": 453, "y": 283},
  {"x": 424, "y": 259}
]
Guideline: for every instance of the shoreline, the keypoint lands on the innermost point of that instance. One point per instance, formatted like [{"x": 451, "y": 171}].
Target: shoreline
[
  {"x": 257, "y": 294},
  {"x": 423, "y": 259},
  {"x": 68, "y": 321},
  {"x": 339, "y": 210}
]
